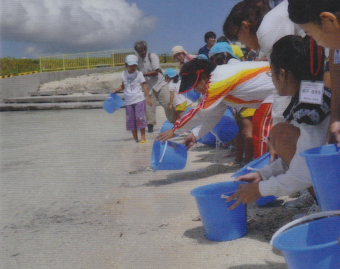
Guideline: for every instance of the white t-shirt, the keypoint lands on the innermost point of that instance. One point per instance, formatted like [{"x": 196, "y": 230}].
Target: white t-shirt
[
  {"x": 178, "y": 98},
  {"x": 275, "y": 25},
  {"x": 133, "y": 92},
  {"x": 145, "y": 66}
]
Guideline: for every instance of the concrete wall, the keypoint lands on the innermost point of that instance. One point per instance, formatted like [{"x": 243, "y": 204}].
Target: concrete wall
[{"x": 21, "y": 86}]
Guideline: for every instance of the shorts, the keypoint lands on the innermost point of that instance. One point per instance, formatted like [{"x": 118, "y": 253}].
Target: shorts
[
  {"x": 245, "y": 112},
  {"x": 181, "y": 107},
  {"x": 135, "y": 116}
]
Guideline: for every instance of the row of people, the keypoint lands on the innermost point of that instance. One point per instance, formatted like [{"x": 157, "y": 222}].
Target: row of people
[{"x": 259, "y": 33}]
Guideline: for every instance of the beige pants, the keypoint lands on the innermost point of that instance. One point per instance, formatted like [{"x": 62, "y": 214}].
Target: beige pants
[{"x": 163, "y": 98}]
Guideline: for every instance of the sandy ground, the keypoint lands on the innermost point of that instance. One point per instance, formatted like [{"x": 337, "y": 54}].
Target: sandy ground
[
  {"x": 93, "y": 82},
  {"x": 76, "y": 192},
  {"x": 97, "y": 81}
]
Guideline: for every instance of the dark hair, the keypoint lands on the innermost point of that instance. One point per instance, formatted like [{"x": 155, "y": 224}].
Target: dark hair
[
  {"x": 208, "y": 35},
  {"x": 252, "y": 11},
  {"x": 292, "y": 53},
  {"x": 175, "y": 79},
  {"x": 222, "y": 38},
  {"x": 189, "y": 72},
  {"x": 305, "y": 11},
  {"x": 219, "y": 58}
]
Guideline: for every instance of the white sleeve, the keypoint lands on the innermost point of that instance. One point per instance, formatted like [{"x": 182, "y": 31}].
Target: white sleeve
[
  {"x": 297, "y": 177},
  {"x": 154, "y": 61},
  {"x": 274, "y": 169},
  {"x": 203, "y": 119},
  {"x": 210, "y": 121}
]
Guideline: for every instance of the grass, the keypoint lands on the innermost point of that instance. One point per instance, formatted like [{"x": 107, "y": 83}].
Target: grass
[{"x": 13, "y": 67}]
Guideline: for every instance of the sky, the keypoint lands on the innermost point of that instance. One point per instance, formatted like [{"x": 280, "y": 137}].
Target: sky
[{"x": 37, "y": 28}]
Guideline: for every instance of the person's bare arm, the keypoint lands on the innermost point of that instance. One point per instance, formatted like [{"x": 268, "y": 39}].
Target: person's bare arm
[
  {"x": 151, "y": 74},
  {"x": 120, "y": 88},
  {"x": 146, "y": 90}
]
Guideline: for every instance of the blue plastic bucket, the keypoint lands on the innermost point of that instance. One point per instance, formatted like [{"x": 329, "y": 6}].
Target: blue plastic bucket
[
  {"x": 192, "y": 95},
  {"x": 168, "y": 155},
  {"x": 312, "y": 245},
  {"x": 219, "y": 223},
  {"x": 209, "y": 139},
  {"x": 324, "y": 167},
  {"x": 226, "y": 129},
  {"x": 112, "y": 103},
  {"x": 167, "y": 125},
  {"x": 255, "y": 165}
]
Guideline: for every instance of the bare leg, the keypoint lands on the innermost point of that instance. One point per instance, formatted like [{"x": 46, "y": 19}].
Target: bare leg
[
  {"x": 142, "y": 132},
  {"x": 135, "y": 135}
]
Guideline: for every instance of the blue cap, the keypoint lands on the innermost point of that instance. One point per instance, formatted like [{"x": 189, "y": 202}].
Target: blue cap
[
  {"x": 202, "y": 57},
  {"x": 170, "y": 72},
  {"x": 222, "y": 47}
]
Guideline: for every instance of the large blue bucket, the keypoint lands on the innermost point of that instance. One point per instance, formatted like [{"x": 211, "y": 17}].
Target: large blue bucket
[
  {"x": 255, "y": 165},
  {"x": 209, "y": 139},
  {"x": 219, "y": 223},
  {"x": 227, "y": 127},
  {"x": 168, "y": 155},
  {"x": 112, "y": 103},
  {"x": 324, "y": 166},
  {"x": 312, "y": 245}
]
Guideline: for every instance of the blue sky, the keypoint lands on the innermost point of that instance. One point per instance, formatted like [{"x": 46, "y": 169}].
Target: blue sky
[{"x": 52, "y": 27}]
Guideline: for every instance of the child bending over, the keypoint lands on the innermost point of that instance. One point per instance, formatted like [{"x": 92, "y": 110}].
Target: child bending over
[{"x": 179, "y": 101}]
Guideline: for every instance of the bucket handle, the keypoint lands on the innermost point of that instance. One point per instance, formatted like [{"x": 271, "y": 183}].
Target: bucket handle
[
  {"x": 253, "y": 169},
  {"x": 166, "y": 145},
  {"x": 223, "y": 196},
  {"x": 304, "y": 219}
]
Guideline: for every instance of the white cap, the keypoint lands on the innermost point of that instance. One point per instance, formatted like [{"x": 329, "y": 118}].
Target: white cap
[
  {"x": 131, "y": 60},
  {"x": 178, "y": 49}
]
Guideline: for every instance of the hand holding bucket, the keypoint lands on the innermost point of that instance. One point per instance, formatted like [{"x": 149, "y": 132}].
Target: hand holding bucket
[{"x": 168, "y": 155}]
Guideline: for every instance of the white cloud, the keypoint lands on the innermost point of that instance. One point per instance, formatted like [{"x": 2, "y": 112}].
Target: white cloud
[{"x": 54, "y": 26}]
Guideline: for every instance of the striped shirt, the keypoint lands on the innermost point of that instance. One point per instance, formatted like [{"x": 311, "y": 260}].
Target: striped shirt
[{"x": 237, "y": 85}]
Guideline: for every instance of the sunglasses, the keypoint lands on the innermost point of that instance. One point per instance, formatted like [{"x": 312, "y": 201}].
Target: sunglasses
[{"x": 190, "y": 80}]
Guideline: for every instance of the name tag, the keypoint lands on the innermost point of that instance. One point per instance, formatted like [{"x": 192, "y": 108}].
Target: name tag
[
  {"x": 311, "y": 92},
  {"x": 337, "y": 57}
]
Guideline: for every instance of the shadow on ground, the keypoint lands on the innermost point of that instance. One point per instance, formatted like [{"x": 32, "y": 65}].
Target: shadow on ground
[
  {"x": 209, "y": 171},
  {"x": 262, "y": 223}
]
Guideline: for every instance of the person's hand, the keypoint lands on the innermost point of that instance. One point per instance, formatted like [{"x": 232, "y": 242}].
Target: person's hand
[
  {"x": 250, "y": 178},
  {"x": 170, "y": 107},
  {"x": 148, "y": 100},
  {"x": 334, "y": 133},
  {"x": 166, "y": 135},
  {"x": 190, "y": 140},
  {"x": 246, "y": 194}
]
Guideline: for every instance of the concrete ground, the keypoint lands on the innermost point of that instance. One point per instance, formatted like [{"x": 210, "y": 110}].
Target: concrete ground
[{"x": 77, "y": 192}]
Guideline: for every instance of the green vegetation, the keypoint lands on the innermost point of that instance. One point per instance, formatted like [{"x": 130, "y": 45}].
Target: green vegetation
[{"x": 13, "y": 66}]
